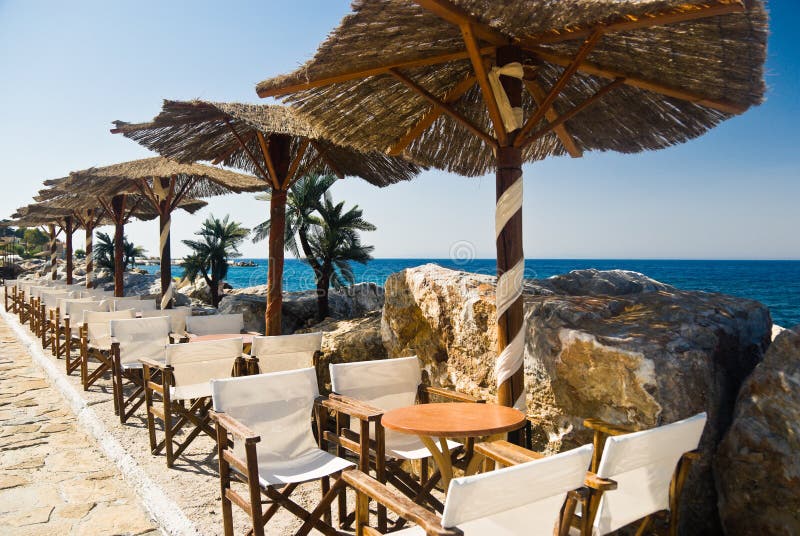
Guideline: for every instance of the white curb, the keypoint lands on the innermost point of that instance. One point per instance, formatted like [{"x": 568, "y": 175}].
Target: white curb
[{"x": 164, "y": 511}]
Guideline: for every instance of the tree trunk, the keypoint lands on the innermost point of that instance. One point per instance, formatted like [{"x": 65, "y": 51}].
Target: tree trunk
[
  {"x": 277, "y": 214},
  {"x": 323, "y": 285},
  {"x": 510, "y": 392},
  {"x": 118, "y": 206}
]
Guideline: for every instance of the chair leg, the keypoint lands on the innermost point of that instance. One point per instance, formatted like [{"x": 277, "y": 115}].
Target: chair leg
[
  {"x": 148, "y": 401},
  {"x": 224, "y": 477},
  {"x": 380, "y": 471},
  {"x": 644, "y": 525},
  {"x": 168, "y": 426},
  {"x": 255, "y": 489}
]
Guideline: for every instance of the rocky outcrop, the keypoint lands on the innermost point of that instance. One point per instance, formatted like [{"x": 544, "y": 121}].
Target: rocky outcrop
[
  {"x": 758, "y": 465},
  {"x": 611, "y": 345},
  {"x": 300, "y": 308},
  {"x": 348, "y": 341}
]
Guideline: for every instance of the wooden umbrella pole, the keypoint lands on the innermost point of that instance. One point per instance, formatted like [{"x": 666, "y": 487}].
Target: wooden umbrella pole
[
  {"x": 510, "y": 258},
  {"x": 53, "y": 251},
  {"x": 88, "y": 246},
  {"x": 277, "y": 215},
  {"x": 118, "y": 209},
  {"x": 68, "y": 229},
  {"x": 164, "y": 222}
]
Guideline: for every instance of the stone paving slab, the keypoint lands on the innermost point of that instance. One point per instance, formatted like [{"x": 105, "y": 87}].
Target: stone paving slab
[{"x": 54, "y": 479}]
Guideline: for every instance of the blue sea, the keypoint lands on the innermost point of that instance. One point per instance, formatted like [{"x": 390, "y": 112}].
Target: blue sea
[{"x": 774, "y": 283}]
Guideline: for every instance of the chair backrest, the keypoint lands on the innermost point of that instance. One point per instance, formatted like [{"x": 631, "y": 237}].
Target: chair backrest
[
  {"x": 385, "y": 383},
  {"x": 50, "y": 298},
  {"x": 141, "y": 338},
  {"x": 62, "y": 304},
  {"x": 523, "y": 499},
  {"x": 96, "y": 293},
  {"x": 75, "y": 309},
  {"x": 211, "y": 324},
  {"x": 98, "y": 330},
  {"x": 120, "y": 304},
  {"x": 642, "y": 464},
  {"x": 286, "y": 352},
  {"x": 142, "y": 306},
  {"x": 276, "y": 406},
  {"x": 176, "y": 315},
  {"x": 195, "y": 364},
  {"x": 36, "y": 290}
]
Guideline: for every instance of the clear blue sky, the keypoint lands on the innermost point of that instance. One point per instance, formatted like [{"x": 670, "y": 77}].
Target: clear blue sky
[{"x": 70, "y": 68}]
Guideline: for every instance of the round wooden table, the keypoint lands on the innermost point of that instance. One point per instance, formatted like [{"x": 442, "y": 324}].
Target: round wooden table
[{"x": 453, "y": 420}]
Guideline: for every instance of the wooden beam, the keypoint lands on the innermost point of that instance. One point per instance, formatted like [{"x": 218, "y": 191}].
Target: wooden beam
[
  {"x": 243, "y": 145},
  {"x": 587, "y": 46},
  {"x": 321, "y": 152},
  {"x": 301, "y": 151},
  {"x": 374, "y": 71},
  {"x": 538, "y": 95},
  {"x": 228, "y": 152},
  {"x": 309, "y": 165},
  {"x": 174, "y": 198},
  {"x": 446, "y": 108},
  {"x": 135, "y": 205},
  {"x": 455, "y": 15},
  {"x": 572, "y": 112},
  {"x": 641, "y": 83},
  {"x": 273, "y": 175},
  {"x": 432, "y": 115},
  {"x": 468, "y": 35},
  {"x": 684, "y": 13}
]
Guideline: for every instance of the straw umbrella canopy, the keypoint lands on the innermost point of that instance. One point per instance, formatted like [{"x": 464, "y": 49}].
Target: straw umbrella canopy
[
  {"x": 472, "y": 86},
  {"x": 118, "y": 206},
  {"x": 163, "y": 184},
  {"x": 272, "y": 142}
]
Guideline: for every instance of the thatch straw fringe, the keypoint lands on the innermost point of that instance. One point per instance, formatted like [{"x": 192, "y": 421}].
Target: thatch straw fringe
[
  {"x": 189, "y": 131},
  {"x": 720, "y": 58}
]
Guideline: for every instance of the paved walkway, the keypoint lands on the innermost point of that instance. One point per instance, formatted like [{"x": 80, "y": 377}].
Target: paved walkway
[{"x": 53, "y": 479}]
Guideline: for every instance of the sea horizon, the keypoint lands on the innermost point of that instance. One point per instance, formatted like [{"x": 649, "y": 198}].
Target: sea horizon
[{"x": 773, "y": 282}]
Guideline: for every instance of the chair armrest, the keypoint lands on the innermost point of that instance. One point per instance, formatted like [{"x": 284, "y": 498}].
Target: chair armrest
[
  {"x": 506, "y": 453},
  {"x": 236, "y": 428},
  {"x": 449, "y": 393},
  {"x": 179, "y": 337},
  {"x": 352, "y": 407},
  {"x": 592, "y": 481},
  {"x": 400, "y": 504},
  {"x": 152, "y": 363},
  {"x": 607, "y": 428}
]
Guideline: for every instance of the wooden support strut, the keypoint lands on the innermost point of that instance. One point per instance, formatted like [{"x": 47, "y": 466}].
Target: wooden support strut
[
  {"x": 566, "y": 139},
  {"x": 164, "y": 220},
  {"x": 279, "y": 154},
  {"x": 68, "y": 230},
  {"x": 51, "y": 228},
  {"x": 118, "y": 215}
]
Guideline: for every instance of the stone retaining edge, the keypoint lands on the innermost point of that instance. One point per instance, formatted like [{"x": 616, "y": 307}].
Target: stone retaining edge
[{"x": 165, "y": 512}]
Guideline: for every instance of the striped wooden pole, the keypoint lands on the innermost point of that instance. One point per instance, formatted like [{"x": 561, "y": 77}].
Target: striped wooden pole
[
  {"x": 68, "y": 229},
  {"x": 89, "y": 228},
  {"x": 161, "y": 188},
  {"x": 509, "y": 367},
  {"x": 118, "y": 209},
  {"x": 53, "y": 251}
]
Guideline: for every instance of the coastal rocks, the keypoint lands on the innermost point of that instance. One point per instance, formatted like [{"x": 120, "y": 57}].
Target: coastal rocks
[
  {"x": 611, "y": 345},
  {"x": 348, "y": 341},
  {"x": 300, "y": 308},
  {"x": 758, "y": 468}
]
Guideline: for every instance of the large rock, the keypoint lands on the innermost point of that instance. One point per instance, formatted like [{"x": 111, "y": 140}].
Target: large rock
[
  {"x": 758, "y": 464},
  {"x": 611, "y": 345},
  {"x": 348, "y": 341},
  {"x": 300, "y": 308}
]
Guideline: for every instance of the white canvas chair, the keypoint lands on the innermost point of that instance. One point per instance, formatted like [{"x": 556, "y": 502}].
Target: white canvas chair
[
  {"x": 131, "y": 341},
  {"x": 122, "y": 303},
  {"x": 285, "y": 352},
  {"x": 177, "y": 316},
  {"x": 213, "y": 324},
  {"x": 375, "y": 387},
  {"x": 522, "y": 500},
  {"x": 9, "y": 289},
  {"x": 185, "y": 376},
  {"x": 34, "y": 307},
  {"x": 96, "y": 343},
  {"x": 277, "y": 408},
  {"x": 96, "y": 293},
  {"x": 650, "y": 468},
  {"x": 48, "y": 316},
  {"x": 71, "y": 317}
]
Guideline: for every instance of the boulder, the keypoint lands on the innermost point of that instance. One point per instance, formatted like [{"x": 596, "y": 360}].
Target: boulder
[
  {"x": 758, "y": 465},
  {"x": 300, "y": 308},
  {"x": 611, "y": 345},
  {"x": 347, "y": 341}
]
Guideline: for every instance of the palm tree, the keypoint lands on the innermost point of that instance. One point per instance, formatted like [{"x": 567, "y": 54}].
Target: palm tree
[
  {"x": 219, "y": 240},
  {"x": 302, "y": 201},
  {"x": 333, "y": 245},
  {"x": 104, "y": 253}
]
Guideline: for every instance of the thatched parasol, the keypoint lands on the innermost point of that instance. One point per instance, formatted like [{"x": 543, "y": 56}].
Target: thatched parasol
[
  {"x": 471, "y": 86},
  {"x": 272, "y": 142},
  {"x": 163, "y": 184},
  {"x": 82, "y": 193}
]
